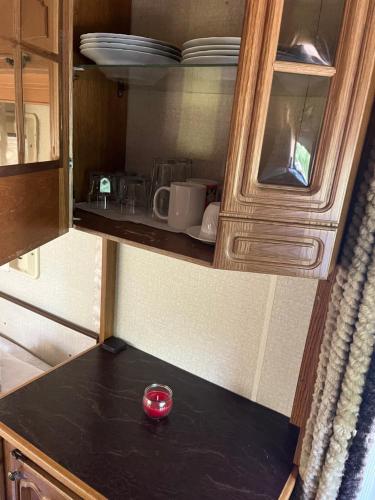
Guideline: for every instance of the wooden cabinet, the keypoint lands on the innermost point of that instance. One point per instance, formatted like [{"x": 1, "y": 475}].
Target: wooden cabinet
[
  {"x": 39, "y": 24},
  {"x": 26, "y": 481},
  {"x": 296, "y": 134},
  {"x": 283, "y": 131},
  {"x": 33, "y": 151},
  {"x": 301, "y": 106}
]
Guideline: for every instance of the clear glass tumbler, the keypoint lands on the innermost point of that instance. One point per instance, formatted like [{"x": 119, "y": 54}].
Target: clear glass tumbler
[{"x": 163, "y": 173}]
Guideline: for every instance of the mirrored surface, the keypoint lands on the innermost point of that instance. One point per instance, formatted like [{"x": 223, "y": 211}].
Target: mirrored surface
[
  {"x": 293, "y": 126},
  {"x": 8, "y": 124},
  {"x": 310, "y": 31},
  {"x": 40, "y": 104}
]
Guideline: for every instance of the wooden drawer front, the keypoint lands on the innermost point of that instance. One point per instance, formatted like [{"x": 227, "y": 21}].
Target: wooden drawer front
[
  {"x": 274, "y": 248},
  {"x": 29, "y": 481}
]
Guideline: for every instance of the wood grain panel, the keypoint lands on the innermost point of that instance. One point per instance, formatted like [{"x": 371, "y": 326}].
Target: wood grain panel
[
  {"x": 66, "y": 106},
  {"x": 32, "y": 203},
  {"x": 275, "y": 248},
  {"x": 40, "y": 23},
  {"x": 108, "y": 16},
  {"x": 323, "y": 201},
  {"x": 99, "y": 130},
  {"x": 99, "y": 127},
  {"x": 108, "y": 289},
  {"x": 289, "y": 485},
  {"x": 29, "y": 212},
  {"x": 303, "y": 69},
  {"x": 33, "y": 481},
  {"x": 179, "y": 246},
  {"x": 7, "y": 21},
  {"x": 49, "y": 465}
]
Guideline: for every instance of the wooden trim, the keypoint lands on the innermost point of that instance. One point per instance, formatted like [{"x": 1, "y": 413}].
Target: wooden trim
[
  {"x": 66, "y": 112},
  {"x": 108, "y": 289},
  {"x": 48, "y": 465},
  {"x": 33, "y": 479},
  {"x": 29, "y": 168},
  {"x": 323, "y": 200},
  {"x": 304, "y": 69},
  {"x": 20, "y": 123},
  {"x": 307, "y": 375},
  {"x": 174, "y": 245},
  {"x": 33, "y": 49},
  {"x": 2, "y": 473},
  {"x": 50, "y": 316},
  {"x": 289, "y": 485}
]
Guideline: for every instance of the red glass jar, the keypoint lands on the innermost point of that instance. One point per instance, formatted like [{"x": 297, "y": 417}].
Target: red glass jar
[{"x": 157, "y": 401}]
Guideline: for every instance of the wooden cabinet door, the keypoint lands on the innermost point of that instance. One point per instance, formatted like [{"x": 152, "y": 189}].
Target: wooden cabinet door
[
  {"x": 27, "y": 481},
  {"x": 34, "y": 74},
  {"x": 304, "y": 93},
  {"x": 39, "y": 23}
]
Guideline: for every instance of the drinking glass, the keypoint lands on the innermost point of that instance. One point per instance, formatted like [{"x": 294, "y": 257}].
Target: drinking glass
[
  {"x": 165, "y": 172},
  {"x": 102, "y": 190},
  {"x": 132, "y": 195}
]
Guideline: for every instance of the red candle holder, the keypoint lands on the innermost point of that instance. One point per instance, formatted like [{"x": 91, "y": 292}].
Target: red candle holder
[{"x": 157, "y": 401}]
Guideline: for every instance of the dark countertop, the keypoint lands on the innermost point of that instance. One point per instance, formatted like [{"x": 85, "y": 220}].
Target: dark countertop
[{"x": 87, "y": 416}]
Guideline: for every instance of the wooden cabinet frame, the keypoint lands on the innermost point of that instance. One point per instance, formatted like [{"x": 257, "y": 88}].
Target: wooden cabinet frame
[
  {"x": 244, "y": 195},
  {"x": 35, "y": 196},
  {"x": 320, "y": 208}
]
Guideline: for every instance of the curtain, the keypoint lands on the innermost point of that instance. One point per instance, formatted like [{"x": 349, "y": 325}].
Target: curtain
[
  {"x": 361, "y": 458},
  {"x": 347, "y": 348}
]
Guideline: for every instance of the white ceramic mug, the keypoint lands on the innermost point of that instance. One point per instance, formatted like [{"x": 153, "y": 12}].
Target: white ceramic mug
[
  {"x": 210, "y": 220},
  {"x": 186, "y": 204}
]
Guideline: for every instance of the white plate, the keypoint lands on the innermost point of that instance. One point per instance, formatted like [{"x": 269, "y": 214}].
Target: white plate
[
  {"x": 114, "y": 57},
  {"x": 195, "y": 232},
  {"x": 147, "y": 50},
  {"x": 220, "y": 40},
  {"x": 211, "y": 60},
  {"x": 206, "y": 53},
  {"x": 127, "y": 37},
  {"x": 210, "y": 47},
  {"x": 127, "y": 41}
]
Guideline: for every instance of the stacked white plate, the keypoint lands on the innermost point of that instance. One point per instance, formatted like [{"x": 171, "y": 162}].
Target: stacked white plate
[
  {"x": 116, "y": 49},
  {"x": 214, "y": 50}
]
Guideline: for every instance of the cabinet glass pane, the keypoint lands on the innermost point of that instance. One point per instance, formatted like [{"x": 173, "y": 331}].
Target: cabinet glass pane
[
  {"x": 310, "y": 30},
  {"x": 8, "y": 127},
  {"x": 39, "y": 23},
  {"x": 293, "y": 125},
  {"x": 40, "y": 103}
]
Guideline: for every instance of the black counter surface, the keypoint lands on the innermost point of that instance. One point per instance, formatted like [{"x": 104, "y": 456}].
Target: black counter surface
[{"x": 87, "y": 416}]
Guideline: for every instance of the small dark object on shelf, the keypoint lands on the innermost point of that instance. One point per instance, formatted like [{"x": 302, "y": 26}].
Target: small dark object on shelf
[{"x": 114, "y": 345}]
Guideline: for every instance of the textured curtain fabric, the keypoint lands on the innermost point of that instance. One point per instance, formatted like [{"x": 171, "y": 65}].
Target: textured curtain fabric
[
  {"x": 346, "y": 351},
  {"x": 363, "y": 442}
]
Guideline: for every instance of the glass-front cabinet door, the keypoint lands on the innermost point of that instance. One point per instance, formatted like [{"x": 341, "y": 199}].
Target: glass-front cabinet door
[
  {"x": 296, "y": 134},
  {"x": 32, "y": 172}
]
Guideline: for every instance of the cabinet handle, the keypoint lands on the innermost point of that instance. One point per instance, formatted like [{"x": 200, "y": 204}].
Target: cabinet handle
[{"x": 15, "y": 475}]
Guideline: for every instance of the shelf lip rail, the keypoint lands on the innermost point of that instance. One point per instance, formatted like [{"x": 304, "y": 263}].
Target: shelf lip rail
[{"x": 52, "y": 317}]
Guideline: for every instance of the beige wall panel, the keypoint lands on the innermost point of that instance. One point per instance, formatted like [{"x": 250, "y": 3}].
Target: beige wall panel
[
  {"x": 66, "y": 286},
  {"x": 285, "y": 342}
]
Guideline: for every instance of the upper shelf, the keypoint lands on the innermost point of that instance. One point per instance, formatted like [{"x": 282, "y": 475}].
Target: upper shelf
[{"x": 204, "y": 79}]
